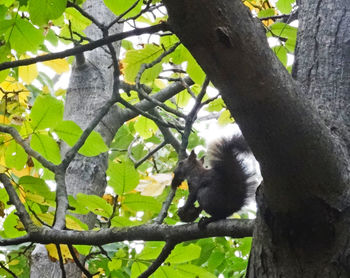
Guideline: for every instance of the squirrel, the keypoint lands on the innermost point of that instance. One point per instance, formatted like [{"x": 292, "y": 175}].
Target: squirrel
[{"x": 222, "y": 189}]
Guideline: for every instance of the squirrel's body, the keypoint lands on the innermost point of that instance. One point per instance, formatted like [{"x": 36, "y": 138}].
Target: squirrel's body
[{"x": 220, "y": 190}]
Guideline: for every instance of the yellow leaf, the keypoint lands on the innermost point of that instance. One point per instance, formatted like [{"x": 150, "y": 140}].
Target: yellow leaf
[
  {"x": 58, "y": 65},
  {"x": 36, "y": 198},
  {"x": 28, "y": 73},
  {"x": 4, "y": 119},
  {"x": 2, "y": 169},
  {"x": 73, "y": 225},
  {"x": 13, "y": 262},
  {"x": 12, "y": 85},
  {"x": 53, "y": 254},
  {"x": 184, "y": 185}
]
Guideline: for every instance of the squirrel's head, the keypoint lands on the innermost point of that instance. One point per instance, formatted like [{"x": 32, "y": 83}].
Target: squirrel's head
[{"x": 187, "y": 167}]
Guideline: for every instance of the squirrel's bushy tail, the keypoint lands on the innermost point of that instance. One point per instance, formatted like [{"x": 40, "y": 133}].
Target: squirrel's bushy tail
[{"x": 226, "y": 157}]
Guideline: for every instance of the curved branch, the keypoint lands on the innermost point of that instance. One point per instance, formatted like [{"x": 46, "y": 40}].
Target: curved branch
[
  {"x": 14, "y": 199},
  {"x": 168, "y": 247},
  {"x": 14, "y": 133}
]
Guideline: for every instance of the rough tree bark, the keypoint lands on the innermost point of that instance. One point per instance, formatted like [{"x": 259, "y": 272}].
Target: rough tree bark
[{"x": 303, "y": 219}]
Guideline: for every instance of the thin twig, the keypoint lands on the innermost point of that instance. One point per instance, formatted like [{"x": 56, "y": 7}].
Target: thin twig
[
  {"x": 191, "y": 117},
  {"x": 60, "y": 257},
  {"x": 140, "y": 88},
  {"x": 8, "y": 270},
  {"x": 147, "y": 115},
  {"x": 14, "y": 133},
  {"x": 121, "y": 15},
  {"x": 152, "y": 152},
  {"x": 78, "y": 263},
  {"x": 165, "y": 207},
  {"x": 164, "y": 254}
]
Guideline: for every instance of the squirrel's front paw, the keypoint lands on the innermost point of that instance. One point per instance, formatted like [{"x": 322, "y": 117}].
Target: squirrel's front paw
[{"x": 188, "y": 215}]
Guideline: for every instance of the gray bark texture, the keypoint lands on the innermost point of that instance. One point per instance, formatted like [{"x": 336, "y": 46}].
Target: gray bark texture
[
  {"x": 297, "y": 128},
  {"x": 89, "y": 88}
]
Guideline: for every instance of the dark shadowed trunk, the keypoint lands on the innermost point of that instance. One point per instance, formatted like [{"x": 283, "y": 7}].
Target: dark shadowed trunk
[{"x": 297, "y": 128}]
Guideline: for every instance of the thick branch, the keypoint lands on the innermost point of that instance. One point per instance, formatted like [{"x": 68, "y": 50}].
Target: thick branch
[
  {"x": 236, "y": 228},
  {"x": 86, "y": 47}
]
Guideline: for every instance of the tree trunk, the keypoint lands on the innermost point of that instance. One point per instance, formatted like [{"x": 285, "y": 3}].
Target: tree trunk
[
  {"x": 303, "y": 220},
  {"x": 89, "y": 88}
]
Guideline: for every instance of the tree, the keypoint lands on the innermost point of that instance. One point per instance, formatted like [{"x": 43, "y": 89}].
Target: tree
[{"x": 296, "y": 124}]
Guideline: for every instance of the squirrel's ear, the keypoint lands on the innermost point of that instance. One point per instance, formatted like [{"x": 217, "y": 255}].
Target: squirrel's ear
[
  {"x": 202, "y": 160},
  {"x": 192, "y": 155}
]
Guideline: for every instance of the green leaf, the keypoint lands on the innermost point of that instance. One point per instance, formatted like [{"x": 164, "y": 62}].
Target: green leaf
[
  {"x": 36, "y": 186},
  {"x": 193, "y": 271},
  {"x": 166, "y": 272},
  {"x": 94, "y": 145},
  {"x": 137, "y": 268},
  {"x": 123, "y": 177},
  {"x": 95, "y": 204},
  {"x": 283, "y": 30},
  {"x": 182, "y": 98},
  {"x": 284, "y": 6},
  {"x": 225, "y": 118},
  {"x": 135, "y": 58},
  {"x": 281, "y": 53},
  {"x": 137, "y": 202},
  {"x": 120, "y": 6},
  {"x": 10, "y": 226},
  {"x": 47, "y": 112},
  {"x": 150, "y": 251},
  {"x": 22, "y": 35},
  {"x": 46, "y": 146},
  {"x": 194, "y": 70},
  {"x": 41, "y": 11},
  {"x": 15, "y": 156},
  {"x": 123, "y": 138},
  {"x": 145, "y": 127},
  {"x": 216, "y": 105},
  {"x": 5, "y": 51},
  {"x": 266, "y": 13},
  {"x": 78, "y": 21},
  {"x": 115, "y": 264},
  {"x": 215, "y": 260},
  {"x": 182, "y": 254},
  {"x": 70, "y": 132}
]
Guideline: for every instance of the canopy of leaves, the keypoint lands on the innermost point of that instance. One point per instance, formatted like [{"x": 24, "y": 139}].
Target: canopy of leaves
[{"x": 32, "y": 103}]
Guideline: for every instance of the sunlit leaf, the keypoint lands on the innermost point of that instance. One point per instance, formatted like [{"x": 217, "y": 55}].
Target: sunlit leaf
[
  {"x": 95, "y": 204},
  {"x": 47, "y": 112},
  {"x": 41, "y": 11},
  {"x": 145, "y": 127},
  {"x": 123, "y": 177},
  {"x": 120, "y": 6},
  {"x": 22, "y": 35},
  {"x": 182, "y": 254},
  {"x": 28, "y": 73},
  {"x": 15, "y": 156},
  {"x": 46, "y": 146},
  {"x": 58, "y": 65}
]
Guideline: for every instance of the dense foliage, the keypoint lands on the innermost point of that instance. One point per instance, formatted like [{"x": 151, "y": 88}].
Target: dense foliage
[{"x": 32, "y": 99}]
